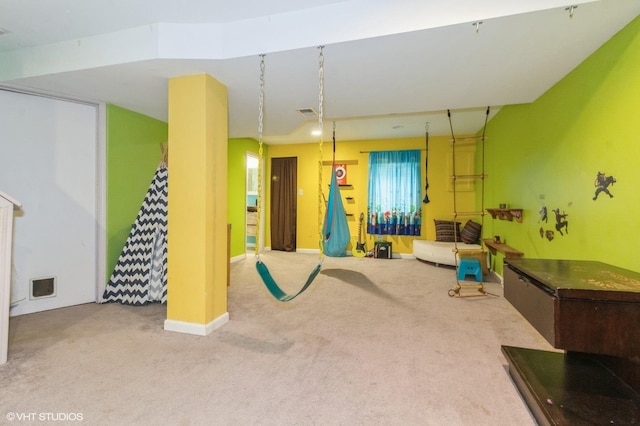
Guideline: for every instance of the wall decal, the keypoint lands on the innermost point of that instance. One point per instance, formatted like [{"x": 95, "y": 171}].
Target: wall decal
[
  {"x": 543, "y": 215},
  {"x": 561, "y": 221},
  {"x": 602, "y": 183}
]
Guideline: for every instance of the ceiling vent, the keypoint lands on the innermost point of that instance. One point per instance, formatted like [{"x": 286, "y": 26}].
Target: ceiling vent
[{"x": 307, "y": 112}]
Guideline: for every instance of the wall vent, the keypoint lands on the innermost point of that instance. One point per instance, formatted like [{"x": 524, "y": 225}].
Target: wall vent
[
  {"x": 307, "y": 112},
  {"x": 42, "y": 287}
]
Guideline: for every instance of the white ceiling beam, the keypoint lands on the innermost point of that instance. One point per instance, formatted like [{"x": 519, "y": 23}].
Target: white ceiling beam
[{"x": 327, "y": 24}]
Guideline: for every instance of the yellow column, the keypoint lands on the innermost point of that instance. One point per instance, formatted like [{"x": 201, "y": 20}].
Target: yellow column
[{"x": 197, "y": 227}]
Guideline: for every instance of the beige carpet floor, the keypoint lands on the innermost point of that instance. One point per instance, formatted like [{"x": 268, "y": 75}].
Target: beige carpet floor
[{"x": 371, "y": 342}]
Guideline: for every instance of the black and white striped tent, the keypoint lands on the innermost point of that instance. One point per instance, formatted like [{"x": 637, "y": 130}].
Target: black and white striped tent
[{"x": 140, "y": 276}]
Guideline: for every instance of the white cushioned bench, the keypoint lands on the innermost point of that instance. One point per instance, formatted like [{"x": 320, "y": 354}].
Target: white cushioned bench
[{"x": 441, "y": 253}]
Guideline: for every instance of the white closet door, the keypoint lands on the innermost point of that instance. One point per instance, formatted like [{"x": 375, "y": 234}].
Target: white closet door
[{"x": 48, "y": 160}]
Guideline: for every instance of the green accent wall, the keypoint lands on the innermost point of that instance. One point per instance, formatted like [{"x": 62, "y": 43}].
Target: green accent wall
[
  {"x": 133, "y": 154},
  {"x": 236, "y": 194},
  {"x": 549, "y": 152}
]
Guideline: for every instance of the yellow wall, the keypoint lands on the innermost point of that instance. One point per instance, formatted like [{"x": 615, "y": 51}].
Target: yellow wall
[
  {"x": 350, "y": 152},
  {"x": 197, "y": 220}
]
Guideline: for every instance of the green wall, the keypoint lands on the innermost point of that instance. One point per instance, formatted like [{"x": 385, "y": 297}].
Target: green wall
[
  {"x": 133, "y": 154},
  {"x": 548, "y": 153},
  {"x": 236, "y": 206}
]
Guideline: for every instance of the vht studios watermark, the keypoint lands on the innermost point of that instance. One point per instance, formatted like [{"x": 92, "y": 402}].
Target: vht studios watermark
[{"x": 44, "y": 417}]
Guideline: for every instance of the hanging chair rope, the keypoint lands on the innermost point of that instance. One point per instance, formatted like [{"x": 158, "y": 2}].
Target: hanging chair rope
[
  {"x": 426, "y": 164},
  {"x": 260, "y": 157},
  {"x": 261, "y": 267},
  {"x": 320, "y": 144}
]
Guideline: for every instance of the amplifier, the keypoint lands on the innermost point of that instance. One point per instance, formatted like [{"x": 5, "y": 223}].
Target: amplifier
[{"x": 382, "y": 250}]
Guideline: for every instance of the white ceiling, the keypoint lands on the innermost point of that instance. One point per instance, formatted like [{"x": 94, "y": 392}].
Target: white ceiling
[{"x": 390, "y": 66}]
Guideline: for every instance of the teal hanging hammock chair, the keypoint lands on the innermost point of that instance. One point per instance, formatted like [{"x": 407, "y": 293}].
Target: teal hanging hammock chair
[{"x": 335, "y": 229}]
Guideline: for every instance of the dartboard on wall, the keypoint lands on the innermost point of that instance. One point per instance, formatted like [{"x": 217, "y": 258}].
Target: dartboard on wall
[{"x": 341, "y": 173}]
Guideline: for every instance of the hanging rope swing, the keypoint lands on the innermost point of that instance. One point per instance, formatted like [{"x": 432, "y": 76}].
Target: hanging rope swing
[
  {"x": 464, "y": 254},
  {"x": 261, "y": 267}
]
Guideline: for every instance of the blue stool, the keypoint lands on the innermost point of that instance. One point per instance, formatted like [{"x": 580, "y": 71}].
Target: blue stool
[{"x": 469, "y": 266}]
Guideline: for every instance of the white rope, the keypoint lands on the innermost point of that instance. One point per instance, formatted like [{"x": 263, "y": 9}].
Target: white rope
[
  {"x": 320, "y": 129},
  {"x": 260, "y": 156}
]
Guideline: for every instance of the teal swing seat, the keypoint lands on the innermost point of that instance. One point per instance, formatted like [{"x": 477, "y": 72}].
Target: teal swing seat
[
  {"x": 336, "y": 236},
  {"x": 273, "y": 287},
  {"x": 335, "y": 229}
]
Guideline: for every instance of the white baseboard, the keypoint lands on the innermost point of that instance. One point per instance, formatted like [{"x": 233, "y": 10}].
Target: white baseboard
[
  {"x": 349, "y": 253},
  {"x": 238, "y": 258},
  {"x": 311, "y": 251},
  {"x": 196, "y": 329},
  {"x": 497, "y": 276},
  {"x": 402, "y": 256}
]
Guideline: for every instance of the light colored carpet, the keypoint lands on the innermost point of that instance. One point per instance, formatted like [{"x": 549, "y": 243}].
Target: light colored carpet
[{"x": 372, "y": 342}]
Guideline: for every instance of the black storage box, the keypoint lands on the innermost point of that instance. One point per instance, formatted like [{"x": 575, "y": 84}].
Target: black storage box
[{"x": 382, "y": 250}]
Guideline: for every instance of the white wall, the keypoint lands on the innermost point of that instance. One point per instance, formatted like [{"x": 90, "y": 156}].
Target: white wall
[{"x": 49, "y": 161}]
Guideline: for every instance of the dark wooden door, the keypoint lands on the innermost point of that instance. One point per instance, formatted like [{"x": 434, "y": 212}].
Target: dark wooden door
[{"x": 284, "y": 184}]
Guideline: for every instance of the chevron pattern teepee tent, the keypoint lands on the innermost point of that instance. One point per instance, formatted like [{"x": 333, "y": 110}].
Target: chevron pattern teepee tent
[{"x": 140, "y": 276}]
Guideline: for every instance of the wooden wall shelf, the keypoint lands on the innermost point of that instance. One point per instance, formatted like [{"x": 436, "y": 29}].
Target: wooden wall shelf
[
  {"x": 506, "y": 214},
  {"x": 509, "y": 252},
  {"x": 347, "y": 162}
]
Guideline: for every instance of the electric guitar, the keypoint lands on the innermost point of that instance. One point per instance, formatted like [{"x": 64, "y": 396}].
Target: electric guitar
[{"x": 360, "y": 250}]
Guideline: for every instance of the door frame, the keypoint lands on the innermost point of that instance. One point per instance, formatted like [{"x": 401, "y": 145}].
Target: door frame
[{"x": 259, "y": 241}]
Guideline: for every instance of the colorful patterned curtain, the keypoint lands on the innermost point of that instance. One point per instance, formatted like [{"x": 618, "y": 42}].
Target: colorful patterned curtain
[{"x": 395, "y": 195}]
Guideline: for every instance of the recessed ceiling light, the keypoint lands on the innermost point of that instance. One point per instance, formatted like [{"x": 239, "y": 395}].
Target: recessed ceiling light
[{"x": 316, "y": 132}]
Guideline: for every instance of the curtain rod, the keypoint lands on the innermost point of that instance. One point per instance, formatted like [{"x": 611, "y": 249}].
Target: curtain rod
[
  {"x": 469, "y": 138},
  {"x": 385, "y": 150}
]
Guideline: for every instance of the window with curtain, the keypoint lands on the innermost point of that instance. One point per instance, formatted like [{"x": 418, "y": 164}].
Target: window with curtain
[{"x": 395, "y": 193}]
